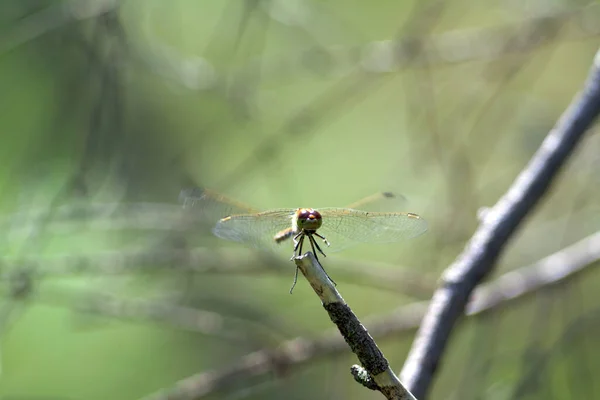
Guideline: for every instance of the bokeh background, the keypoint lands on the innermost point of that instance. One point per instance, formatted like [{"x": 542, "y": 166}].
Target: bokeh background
[{"x": 109, "y": 108}]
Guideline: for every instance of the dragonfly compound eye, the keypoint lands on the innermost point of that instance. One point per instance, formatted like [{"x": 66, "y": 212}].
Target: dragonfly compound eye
[{"x": 309, "y": 219}]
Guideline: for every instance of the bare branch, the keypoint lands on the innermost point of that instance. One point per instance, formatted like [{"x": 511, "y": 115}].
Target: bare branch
[
  {"x": 453, "y": 47},
  {"x": 548, "y": 271},
  {"x": 554, "y": 269},
  {"x": 53, "y": 17},
  {"x": 214, "y": 261},
  {"x": 380, "y": 375},
  {"x": 482, "y": 251},
  {"x": 206, "y": 322}
]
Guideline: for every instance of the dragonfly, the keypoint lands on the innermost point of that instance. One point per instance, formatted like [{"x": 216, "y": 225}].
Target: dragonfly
[{"x": 338, "y": 228}]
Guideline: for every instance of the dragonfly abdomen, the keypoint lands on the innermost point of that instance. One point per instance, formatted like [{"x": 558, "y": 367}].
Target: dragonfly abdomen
[{"x": 284, "y": 235}]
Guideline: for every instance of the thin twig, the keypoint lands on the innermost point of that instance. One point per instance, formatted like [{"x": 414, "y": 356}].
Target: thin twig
[
  {"x": 377, "y": 372},
  {"x": 548, "y": 271},
  {"x": 51, "y": 18},
  {"x": 448, "y": 48},
  {"x": 500, "y": 222},
  {"x": 538, "y": 362},
  {"x": 178, "y": 316},
  {"x": 554, "y": 269},
  {"x": 206, "y": 260}
]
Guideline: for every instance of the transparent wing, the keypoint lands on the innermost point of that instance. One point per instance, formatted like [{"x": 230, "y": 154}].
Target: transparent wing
[
  {"x": 208, "y": 207},
  {"x": 232, "y": 220},
  {"x": 343, "y": 227},
  {"x": 380, "y": 201},
  {"x": 258, "y": 229},
  {"x": 347, "y": 227}
]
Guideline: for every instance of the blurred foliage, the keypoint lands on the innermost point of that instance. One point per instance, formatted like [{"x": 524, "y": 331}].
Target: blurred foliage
[{"x": 110, "y": 107}]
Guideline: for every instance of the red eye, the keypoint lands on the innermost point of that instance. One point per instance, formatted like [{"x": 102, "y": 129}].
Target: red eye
[
  {"x": 308, "y": 218},
  {"x": 305, "y": 213}
]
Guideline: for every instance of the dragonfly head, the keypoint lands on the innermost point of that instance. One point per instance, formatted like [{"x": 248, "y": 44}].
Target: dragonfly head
[{"x": 308, "y": 219}]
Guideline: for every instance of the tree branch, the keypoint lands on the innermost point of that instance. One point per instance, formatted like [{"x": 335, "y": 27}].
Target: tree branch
[
  {"x": 53, "y": 17},
  {"x": 506, "y": 289},
  {"x": 379, "y": 376},
  {"x": 499, "y": 224},
  {"x": 452, "y": 47},
  {"x": 204, "y": 260}
]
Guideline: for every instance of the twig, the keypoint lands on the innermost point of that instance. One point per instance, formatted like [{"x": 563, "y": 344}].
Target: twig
[
  {"x": 206, "y": 322},
  {"x": 377, "y": 372},
  {"x": 452, "y": 47},
  {"x": 53, "y": 17},
  {"x": 205, "y": 260},
  {"x": 553, "y": 269},
  {"x": 70, "y": 218},
  {"x": 548, "y": 271},
  {"x": 482, "y": 251},
  {"x": 538, "y": 362}
]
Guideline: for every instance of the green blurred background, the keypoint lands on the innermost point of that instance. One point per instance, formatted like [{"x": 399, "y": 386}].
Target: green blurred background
[{"x": 109, "y": 108}]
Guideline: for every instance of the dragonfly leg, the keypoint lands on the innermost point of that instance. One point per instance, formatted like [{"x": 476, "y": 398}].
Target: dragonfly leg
[
  {"x": 296, "y": 241},
  {"x": 295, "y": 281},
  {"x": 314, "y": 244},
  {"x": 301, "y": 243},
  {"x": 324, "y": 239},
  {"x": 298, "y": 246}
]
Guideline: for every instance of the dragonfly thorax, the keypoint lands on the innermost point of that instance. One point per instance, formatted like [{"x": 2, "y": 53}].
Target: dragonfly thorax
[{"x": 306, "y": 219}]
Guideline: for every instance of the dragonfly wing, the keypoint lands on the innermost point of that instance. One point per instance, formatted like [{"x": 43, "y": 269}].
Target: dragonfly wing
[
  {"x": 208, "y": 206},
  {"x": 257, "y": 230},
  {"x": 347, "y": 227},
  {"x": 380, "y": 201}
]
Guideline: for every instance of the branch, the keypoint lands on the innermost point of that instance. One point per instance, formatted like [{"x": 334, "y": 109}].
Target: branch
[
  {"x": 556, "y": 268},
  {"x": 51, "y": 18},
  {"x": 178, "y": 316},
  {"x": 215, "y": 261},
  {"x": 499, "y": 224},
  {"x": 377, "y": 374},
  {"x": 452, "y": 47}
]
